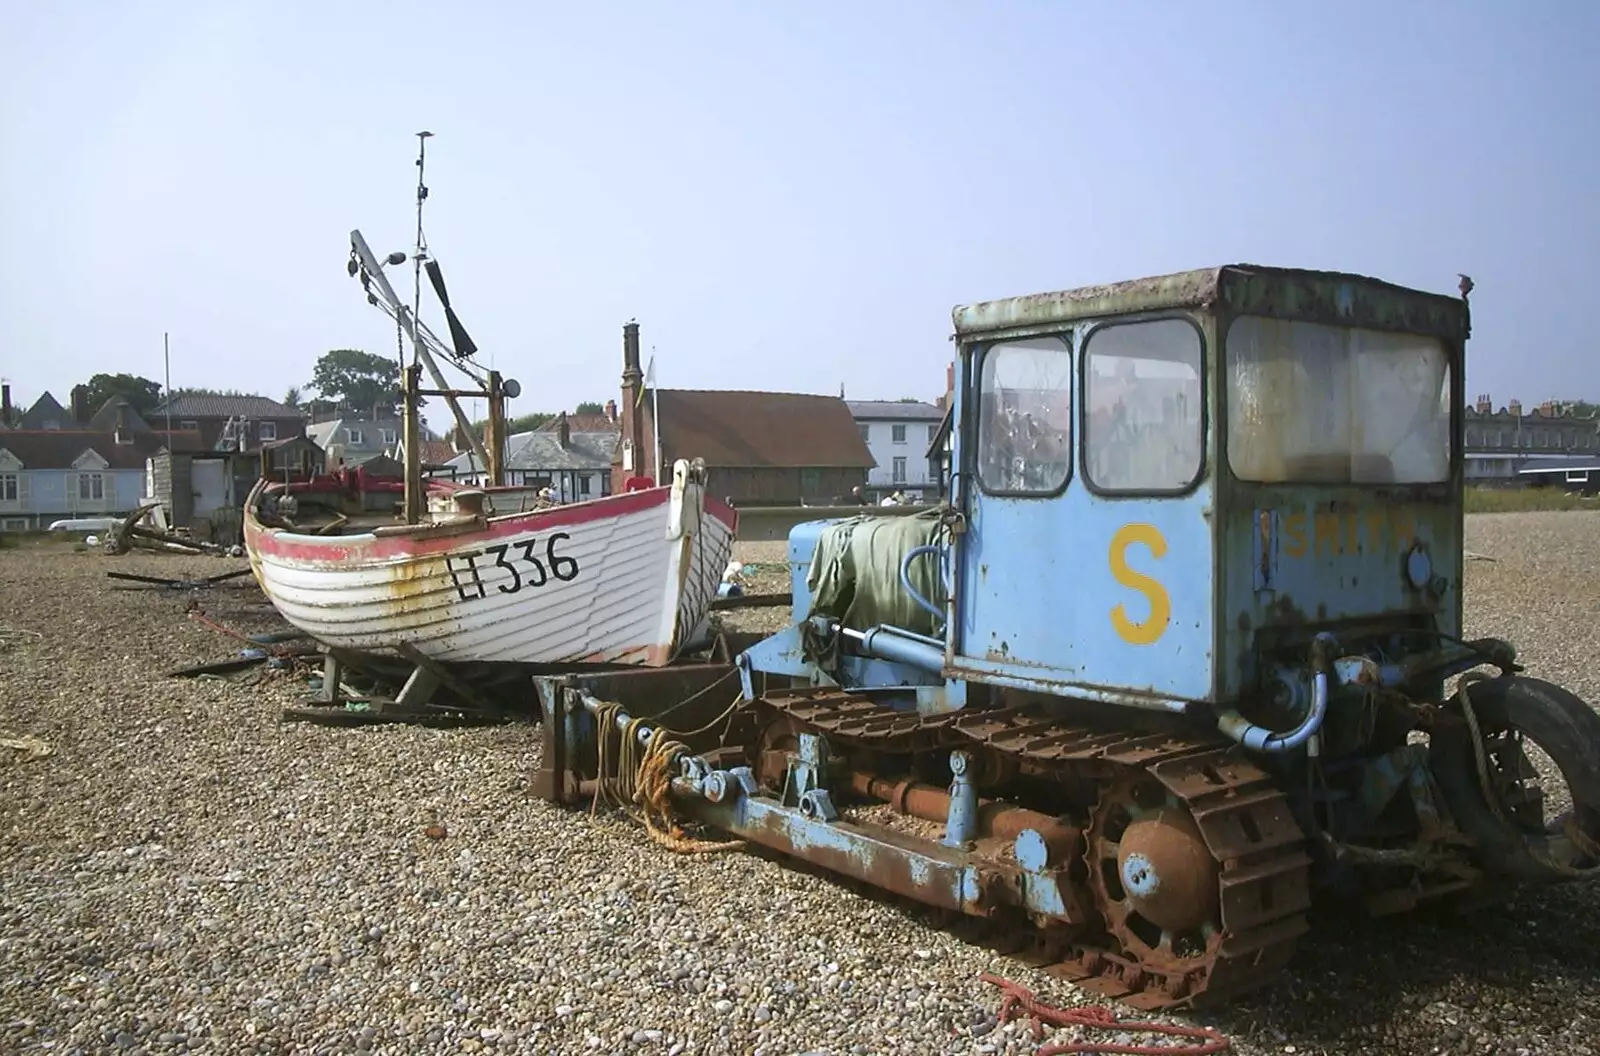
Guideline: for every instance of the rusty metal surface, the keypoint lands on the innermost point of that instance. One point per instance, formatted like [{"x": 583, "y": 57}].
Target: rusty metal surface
[
  {"x": 1186, "y": 289},
  {"x": 1334, "y": 297},
  {"x": 1254, "y": 844},
  {"x": 1342, "y": 299},
  {"x": 996, "y": 820}
]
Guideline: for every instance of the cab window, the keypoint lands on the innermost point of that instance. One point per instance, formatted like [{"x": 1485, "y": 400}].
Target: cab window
[
  {"x": 1143, "y": 428},
  {"x": 1025, "y": 417}
]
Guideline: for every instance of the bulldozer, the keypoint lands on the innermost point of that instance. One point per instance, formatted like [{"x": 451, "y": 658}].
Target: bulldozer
[{"x": 1179, "y": 657}]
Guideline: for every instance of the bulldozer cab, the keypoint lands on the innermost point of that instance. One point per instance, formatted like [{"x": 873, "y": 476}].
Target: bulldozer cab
[{"x": 1167, "y": 480}]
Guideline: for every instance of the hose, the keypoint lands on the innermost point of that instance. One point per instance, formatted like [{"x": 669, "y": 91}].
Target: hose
[{"x": 1259, "y": 738}]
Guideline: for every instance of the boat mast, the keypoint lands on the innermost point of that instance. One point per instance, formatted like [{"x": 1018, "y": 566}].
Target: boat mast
[
  {"x": 411, "y": 374},
  {"x": 421, "y": 251}
]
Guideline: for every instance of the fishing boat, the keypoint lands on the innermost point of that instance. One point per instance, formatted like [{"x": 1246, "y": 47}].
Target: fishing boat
[
  {"x": 379, "y": 559},
  {"x": 625, "y": 579}
]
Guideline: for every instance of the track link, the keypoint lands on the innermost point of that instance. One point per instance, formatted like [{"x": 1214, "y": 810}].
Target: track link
[{"x": 1243, "y": 818}]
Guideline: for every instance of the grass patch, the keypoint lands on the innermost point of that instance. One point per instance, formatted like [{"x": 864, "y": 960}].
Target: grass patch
[{"x": 1526, "y": 500}]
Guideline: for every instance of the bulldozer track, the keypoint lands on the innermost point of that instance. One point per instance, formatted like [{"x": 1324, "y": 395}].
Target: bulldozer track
[{"x": 1243, "y": 817}]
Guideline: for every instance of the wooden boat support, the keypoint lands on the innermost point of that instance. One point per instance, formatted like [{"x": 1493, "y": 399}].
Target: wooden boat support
[{"x": 433, "y": 693}]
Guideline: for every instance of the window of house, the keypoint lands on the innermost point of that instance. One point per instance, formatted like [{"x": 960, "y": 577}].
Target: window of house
[
  {"x": 14, "y": 524},
  {"x": 353, "y": 436},
  {"x": 1025, "y": 417},
  {"x": 189, "y": 425},
  {"x": 1142, "y": 424},
  {"x": 268, "y": 431},
  {"x": 866, "y": 434},
  {"x": 899, "y": 470},
  {"x": 810, "y": 482},
  {"x": 585, "y": 482},
  {"x": 389, "y": 437},
  {"x": 933, "y": 433},
  {"x": 10, "y": 487},
  {"x": 91, "y": 487},
  {"x": 897, "y": 433}
]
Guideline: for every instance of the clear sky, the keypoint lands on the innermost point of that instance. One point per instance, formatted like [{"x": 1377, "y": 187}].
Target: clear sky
[{"x": 785, "y": 195}]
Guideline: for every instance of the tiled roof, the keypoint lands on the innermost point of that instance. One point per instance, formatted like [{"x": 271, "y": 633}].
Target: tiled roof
[
  {"x": 732, "y": 429},
  {"x": 194, "y": 406},
  {"x": 46, "y": 409},
  {"x": 437, "y": 452},
  {"x": 884, "y": 410},
  {"x": 115, "y": 412},
  {"x": 539, "y": 450},
  {"x": 582, "y": 423},
  {"x": 1574, "y": 464},
  {"x": 59, "y": 448}
]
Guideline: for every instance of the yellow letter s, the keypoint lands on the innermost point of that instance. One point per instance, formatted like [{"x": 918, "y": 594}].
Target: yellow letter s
[{"x": 1154, "y": 625}]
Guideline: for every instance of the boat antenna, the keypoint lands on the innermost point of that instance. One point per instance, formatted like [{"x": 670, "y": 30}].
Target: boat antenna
[{"x": 422, "y": 244}]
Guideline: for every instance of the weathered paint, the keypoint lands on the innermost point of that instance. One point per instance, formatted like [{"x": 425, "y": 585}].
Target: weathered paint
[
  {"x": 1155, "y": 601},
  {"x": 1088, "y": 592},
  {"x": 502, "y": 591},
  {"x": 1290, "y": 293}
]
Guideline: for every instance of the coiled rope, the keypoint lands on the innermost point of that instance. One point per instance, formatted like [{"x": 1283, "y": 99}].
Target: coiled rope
[{"x": 636, "y": 778}]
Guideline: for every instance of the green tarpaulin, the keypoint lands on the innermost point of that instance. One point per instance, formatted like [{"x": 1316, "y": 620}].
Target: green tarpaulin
[{"x": 855, "y": 572}]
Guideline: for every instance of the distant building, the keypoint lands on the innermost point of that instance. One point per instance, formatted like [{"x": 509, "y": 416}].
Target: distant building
[
  {"x": 355, "y": 439},
  {"x": 231, "y": 423},
  {"x": 1497, "y": 444},
  {"x": 574, "y": 463},
  {"x": 759, "y": 448},
  {"x": 899, "y": 434},
  {"x": 62, "y": 473}
]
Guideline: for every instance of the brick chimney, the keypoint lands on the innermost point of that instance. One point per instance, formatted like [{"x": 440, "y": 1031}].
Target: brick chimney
[
  {"x": 611, "y": 411},
  {"x": 563, "y": 431},
  {"x": 1514, "y": 408},
  {"x": 5, "y": 404},
  {"x": 635, "y": 455},
  {"x": 80, "y": 404},
  {"x": 1485, "y": 405}
]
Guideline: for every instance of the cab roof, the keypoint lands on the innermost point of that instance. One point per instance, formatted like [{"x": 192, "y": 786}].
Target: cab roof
[{"x": 1325, "y": 296}]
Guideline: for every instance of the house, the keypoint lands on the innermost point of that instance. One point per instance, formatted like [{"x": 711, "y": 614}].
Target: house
[
  {"x": 354, "y": 440},
  {"x": 231, "y": 423},
  {"x": 1498, "y": 444},
  {"x": 941, "y": 448},
  {"x": 57, "y": 473},
  {"x": 576, "y": 464},
  {"x": 898, "y": 433},
  {"x": 760, "y": 448}
]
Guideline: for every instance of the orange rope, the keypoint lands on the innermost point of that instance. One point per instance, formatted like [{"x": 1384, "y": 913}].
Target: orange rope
[{"x": 1098, "y": 1017}]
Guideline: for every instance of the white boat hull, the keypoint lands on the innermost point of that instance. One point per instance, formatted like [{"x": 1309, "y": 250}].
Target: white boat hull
[{"x": 626, "y": 579}]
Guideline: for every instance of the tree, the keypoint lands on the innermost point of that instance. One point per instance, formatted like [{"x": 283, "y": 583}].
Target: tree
[
  {"x": 525, "y": 424},
  {"x": 142, "y": 393},
  {"x": 590, "y": 407},
  {"x": 291, "y": 396},
  {"x": 358, "y": 381}
]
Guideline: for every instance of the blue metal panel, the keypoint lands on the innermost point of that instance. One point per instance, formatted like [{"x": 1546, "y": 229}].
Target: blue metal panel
[
  {"x": 1309, "y": 557},
  {"x": 1080, "y": 591},
  {"x": 802, "y": 545},
  {"x": 1092, "y": 591}
]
